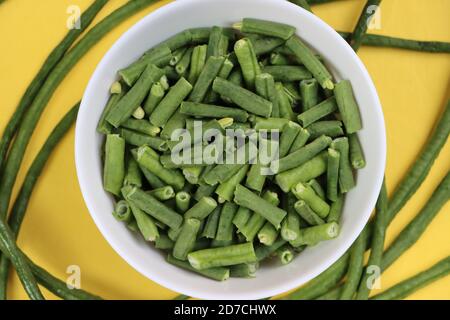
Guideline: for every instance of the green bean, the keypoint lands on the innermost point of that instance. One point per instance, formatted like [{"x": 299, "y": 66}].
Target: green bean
[
  {"x": 139, "y": 113},
  {"x": 222, "y": 256},
  {"x": 419, "y": 170},
  {"x": 317, "y": 187},
  {"x": 376, "y": 40},
  {"x": 377, "y": 243},
  {"x": 309, "y": 90},
  {"x": 155, "y": 96},
  {"x": 212, "y": 111},
  {"x": 348, "y": 107},
  {"x": 307, "y": 171},
  {"x": 219, "y": 244},
  {"x": 288, "y": 73},
  {"x": 270, "y": 123},
  {"x": 257, "y": 221},
  {"x": 301, "y": 156},
  {"x": 39, "y": 79},
  {"x": 133, "y": 174},
  {"x": 315, "y": 234},
  {"x": 255, "y": 179},
  {"x": 138, "y": 139},
  {"x": 174, "y": 233},
  {"x": 246, "y": 56},
  {"x": 246, "y": 99},
  {"x": 17, "y": 150},
  {"x": 163, "y": 193},
  {"x": 198, "y": 60},
  {"x": 290, "y": 227},
  {"x": 266, "y": 28},
  {"x": 152, "y": 206},
  {"x": 300, "y": 140},
  {"x": 142, "y": 126},
  {"x": 224, "y": 73},
  {"x": 267, "y": 234},
  {"x": 265, "y": 87},
  {"x": 201, "y": 209},
  {"x": 206, "y": 78},
  {"x": 409, "y": 286},
  {"x": 210, "y": 229},
  {"x": 305, "y": 211},
  {"x": 323, "y": 282},
  {"x": 204, "y": 190},
  {"x": 317, "y": 112},
  {"x": 333, "y": 294},
  {"x": 192, "y": 174},
  {"x": 292, "y": 91},
  {"x": 356, "y": 154},
  {"x": 226, "y": 189},
  {"x": 145, "y": 224},
  {"x": 225, "y": 226},
  {"x": 214, "y": 46},
  {"x": 334, "y": 158},
  {"x": 133, "y": 98},
  {"x": 242, "y": 216},
  {"x": 336, "y": 209},
  {"x": 284, "y": 103},
  {"x": 363, "y": 23},
  {"x": 221, "y": 173},
  {"x": 346, "y": 180},
  {"x": 186, "y": 239},
  {"x": 262, "y": 251},
  {"x": 311, "y": 62},
  {"x": 244, "y": 197},
  {"x": 264, "y": 45},
  {"x": 244, "y": 270},
  {"x": 163, "y": 242},
  {"x": 286, "y": 254},
  {"x": 151, "y": 178},
  {"x": 104, "y": 126},
  {"x": 177, "y": 55},
  {"x": 182, "y": 199},
  {"x": 356, "y": 265},
  {"x": 184, "y": 62},
  {"x": 412, "y": 232},
  {"x": 169, "y": 104},
  {"x": 176, "y": 121},
  {"x": 331, "y": 128},
  {"x": 277, "y": 59},
  {"x": 218, "y": 273},
  {"x": 114, "y": 165},
  {"x": 171, "y": 73}
]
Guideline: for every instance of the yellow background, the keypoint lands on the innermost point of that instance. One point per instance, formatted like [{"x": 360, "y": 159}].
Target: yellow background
[{"x": 58, "y": 230}]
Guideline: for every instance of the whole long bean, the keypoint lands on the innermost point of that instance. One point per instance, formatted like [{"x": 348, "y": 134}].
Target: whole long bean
[
  {"x": 36, "y": 84},
  {"x": 29, "y": 122},
  {"x": 363, "y": 23}
]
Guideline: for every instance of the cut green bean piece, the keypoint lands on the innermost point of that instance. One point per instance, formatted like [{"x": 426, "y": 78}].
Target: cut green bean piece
[
  {"x": 286, "y": 254},
  {"x": 226, "y": 189},
  {"x": 265, "y": 45},
  {"x": 284, "y": 103},
  {"x": 133, "y": 175},
  {"x": 192, "y": 174},
  {"x": 186, "y": 239},
  {"x": 242, "y": 216},
  {"x": 246, "y": 99},
  {"x": 300, "y": 140},
  {"x": 142, "y": 126},
  {"x": 214, "y": 45},
  {"x": 346, "y": 180},
  {"x": 155, "y": 96},
  {"x": 145, "y": 224},
  {"x": 307, "y": 171},
  {"x": 177, "y": 55},
  {"x": 151, "y": 178},
  {"x": 348, "y": 107},
  {"x": 114, "y": 165},
  {"x": 317, "y": 112},
  {"x": 221, "y": 173},
  {"x": 301, "y": 156},
  {"x": 225, "y": 228},
  {"x": 163, "y": 193},
  {"x": 309, "y": 90},
  {"x": 218, "y": 273},
  {"x": 268, "y": 234},
  {"x": 266, "y": 28},
  {"x": 198, "y": 60},
  {"x": 244, "y": 270},
  {"x": 288, "y": 73},
  {"x": 178, "y": 40},
  {"x": 133, "y": 98},
  {"x": 244, "y": 197},
  {"x": 184, "y": 62},
  {"x": 290, "y": 132},
  {"x": 152, "y": 206},
  {"x": 313, "y": 235},
  {"x": 265, "y": 87},
  {"x": 270, "y": 123},
  {"x": 330, "y": 128},
  {"x": 277, "y": 59},
  {"x": 201, "y": 209},
  {"x": 246, "y": 56},
  {"x": 182, "y": 200},
  {"x": 290, "y": 227},
  {"x": 138, "y": 139},
  {"x": 122, "y": 211},
  {"x": 311, "y": 62},
  {"x": 356, "y": 153},
  {"x": 206, "y": 78},
  {"x": 333, "y": 174},
  {"x": 210, "y": 229},
  {"x": 336, "y": 209},
  {"x": 204, "y": 190},
  {"x": 169, "y": 104},
  {"x": 317, "y": 187},
  {"x": 305, "y": 211},
  {"x": 255, "y": 178},
  {"x": 223, "y": 256},
  {"x": 163, "y": 242},
  {"x": 306, "y": 193},
  {"x": 212, "y": 111},
  {"x": 104, "y": 126},
  {"x": 176, "y": 121}
]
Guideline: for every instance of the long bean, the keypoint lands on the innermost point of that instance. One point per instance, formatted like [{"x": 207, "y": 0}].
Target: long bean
[
  {"x": 363, "y": 23},
  {"x": 36, "y": 84},
  {"x": 29, "y": 122}
]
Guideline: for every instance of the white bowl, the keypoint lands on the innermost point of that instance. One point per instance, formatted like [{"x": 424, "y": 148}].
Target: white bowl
[{"x": 158, "y": 26}]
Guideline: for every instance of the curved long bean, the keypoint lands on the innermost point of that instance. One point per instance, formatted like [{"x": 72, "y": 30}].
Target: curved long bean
[
  {"x": 363, "y": 23},
  {"x": 33, "y": 88}
]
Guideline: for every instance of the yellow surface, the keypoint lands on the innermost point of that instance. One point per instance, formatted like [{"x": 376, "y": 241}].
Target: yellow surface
[{"x": 58, "y": 230}]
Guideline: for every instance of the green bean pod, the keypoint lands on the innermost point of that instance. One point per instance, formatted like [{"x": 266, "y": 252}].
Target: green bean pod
[
  {"x": 246, "y": 56},
  {"x": 308, "y": 214},
  {"x": 210, "y": 229},
  {"x": 313, "y": 235},
  {"x": 333, "y": 174},
  {"x": 346, "y": 180},
  {"x": 186, "y": 239},
  {"x": 267, "y": 234},
  {"x": 145, "y": 224},
  {"x": 288, "y": 73},
  {"x": 201, "y": 209},
  {"x": 348, "y": 107},
  {"x": 225, "y": 228},
  {"x": 206, "y": 77},
  {"x": 265, "y": 87},
  {"x": 317, "y": 112},
  {"x": 356, "y": 153},
  {"x": 198, "y": 60},
  {"x": 266, "y": 28},
  {"x": 330, "y": 128},
  {"x": 309, "y": 90},
  {"x": 218, "y": 273},
  {"x": 114, "y": 165}
]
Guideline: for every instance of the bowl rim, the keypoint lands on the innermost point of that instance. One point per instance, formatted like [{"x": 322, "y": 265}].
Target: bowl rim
[{"x": 148, "y": 272}]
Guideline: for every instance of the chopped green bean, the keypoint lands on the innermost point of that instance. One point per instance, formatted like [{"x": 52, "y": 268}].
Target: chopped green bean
[
  {"x": 145, "y": 224},
  {"x": 212, "y": 111},
  {"x": 308, "y": 214},
  {"x": 182, "y": 200},
  {"x": 309, "y": 90},
  {"x": 201, "y": 209},
  {"x": 356, "y": 154},
  {"x": 317, "y": 112},
  {"x": 154, "y": 97},
  {"x": 114, "y": 165},
  {"x": 218, "y": 273},
  {"x": 288, "y": 73},
  {"x": 266, "y": 28},
  {"x": 315, "y": 234},
  {"x": 348, "y": 107},
  {"x": 210, "y": 229},
  {"x": 333, "y": 174},
  {"x": 198, "y": 60},
  {"x": 346, "y": 180},
  {"x": 186, "y": 239},
  {"x": 225, "y": 227},
  {"x": 246, "y": 56}
]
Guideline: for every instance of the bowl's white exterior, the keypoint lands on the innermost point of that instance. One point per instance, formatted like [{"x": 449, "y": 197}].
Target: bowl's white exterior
[{"x": 156, "y": 27}]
